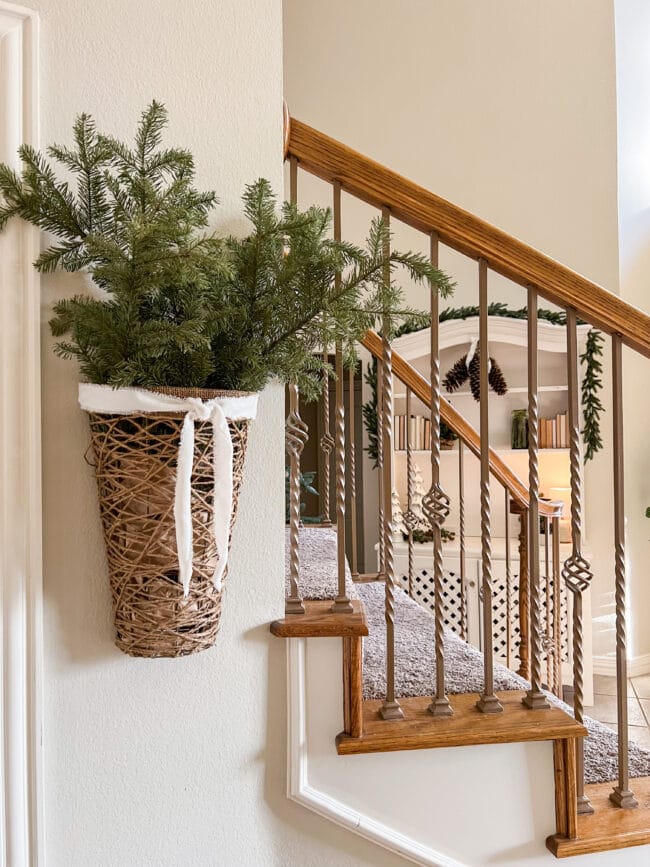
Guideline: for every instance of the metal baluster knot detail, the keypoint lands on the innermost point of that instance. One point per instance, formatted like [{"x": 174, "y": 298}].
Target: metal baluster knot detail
[
  {"x": 410, "y": 520},
  {"x": 577, "y": 573},
  {"x": 297, "y": 433},
  {"x": 436, "y": 506},
  {"x": 327, "y": 443}
]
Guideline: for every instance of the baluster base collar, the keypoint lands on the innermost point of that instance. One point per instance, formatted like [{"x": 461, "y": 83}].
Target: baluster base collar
[
  {"x": 623, "y": 798},
  {"x": 342, "y": 605},
  {"x": 391, "y": 710},
  {"x": 535, "y": 700},
  {"x": 489, "y": 704},
  {"x": 440, "y": 707},
  {"x": 294, "y": 606},
  {"x": 584, "y": 806}
]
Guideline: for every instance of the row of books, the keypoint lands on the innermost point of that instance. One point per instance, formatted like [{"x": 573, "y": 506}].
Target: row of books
[
  {"x": 554, "y": 432},
  {"x": 419, "y": 432}
]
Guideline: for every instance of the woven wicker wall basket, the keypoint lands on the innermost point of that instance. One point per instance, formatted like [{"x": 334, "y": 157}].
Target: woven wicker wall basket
[{"x": 135, "y": 466}]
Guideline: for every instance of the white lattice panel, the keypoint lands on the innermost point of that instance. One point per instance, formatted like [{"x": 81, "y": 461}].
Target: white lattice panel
[
  {"x": 505, "y": 614},
  {"x": 505, "y": 605},
  {"x": 422, "y": 590}
]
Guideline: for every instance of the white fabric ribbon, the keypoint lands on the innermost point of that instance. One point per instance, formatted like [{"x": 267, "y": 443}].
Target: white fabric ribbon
[
  {"x": 136, "y": 401},
  {"x": 472, "y": 352}
]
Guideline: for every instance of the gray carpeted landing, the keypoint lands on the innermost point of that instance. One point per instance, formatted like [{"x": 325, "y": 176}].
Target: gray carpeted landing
[{"x": 414, "y": 653}]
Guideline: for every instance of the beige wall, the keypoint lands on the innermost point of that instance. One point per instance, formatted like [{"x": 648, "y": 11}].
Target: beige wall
[
  {"x": 178, "y": 762},
  {"x": 507, "y": 108},
  {"x": 633, "y": 80}
]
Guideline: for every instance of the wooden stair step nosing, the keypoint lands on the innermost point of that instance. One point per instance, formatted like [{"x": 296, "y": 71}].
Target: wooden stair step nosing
[
  {"x": 319, "y": 621},
  {"x": 608, "y": 827},
  {"x": 467, "y": 727}
]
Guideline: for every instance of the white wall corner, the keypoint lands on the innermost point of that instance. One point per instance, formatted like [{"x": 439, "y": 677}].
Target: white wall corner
[
  {"x": 21, "y": 839},
  {"x": 300, "y": 790}
]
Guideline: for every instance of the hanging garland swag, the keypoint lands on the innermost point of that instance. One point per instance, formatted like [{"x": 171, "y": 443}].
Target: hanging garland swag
[{"x": 461, "y": 371}]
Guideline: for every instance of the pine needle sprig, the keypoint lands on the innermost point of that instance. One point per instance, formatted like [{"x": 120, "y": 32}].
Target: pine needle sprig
[
  {"x": 592, "y": 383},
  {"x": 294, "y": 289}
]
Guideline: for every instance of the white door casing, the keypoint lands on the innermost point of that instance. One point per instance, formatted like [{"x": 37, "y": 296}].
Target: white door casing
[{"x": 20, "y": 468}]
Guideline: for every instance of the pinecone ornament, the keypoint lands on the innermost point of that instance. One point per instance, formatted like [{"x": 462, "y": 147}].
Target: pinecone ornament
[
  {"x": 462, "y": 371},
  {"x": 475, "y": 375},
  {"x": 457, "y": 375},
  {"x": 496, "y": 379}
]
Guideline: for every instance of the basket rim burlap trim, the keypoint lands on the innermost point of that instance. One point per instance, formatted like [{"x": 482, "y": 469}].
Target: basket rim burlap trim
[{"x": 201, "y": 393}]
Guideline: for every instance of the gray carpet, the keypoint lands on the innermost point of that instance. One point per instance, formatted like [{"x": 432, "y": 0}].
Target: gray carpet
[
  {"x": 415, "y": 674},
  {"x": 318, "y": 566},
  {"x": 414, "y": 653}
]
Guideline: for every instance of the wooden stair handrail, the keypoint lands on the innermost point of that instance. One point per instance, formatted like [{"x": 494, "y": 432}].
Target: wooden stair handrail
[
  {"x": 379, "y": 186},
  {"x": 414, "y": 380}
]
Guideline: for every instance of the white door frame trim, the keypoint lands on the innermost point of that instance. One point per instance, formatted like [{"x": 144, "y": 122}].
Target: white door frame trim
[{"x": 21, "y": 802}]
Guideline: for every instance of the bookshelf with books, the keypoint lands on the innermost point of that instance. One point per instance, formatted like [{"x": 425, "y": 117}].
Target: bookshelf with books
[{"x": 508, "y": 345}]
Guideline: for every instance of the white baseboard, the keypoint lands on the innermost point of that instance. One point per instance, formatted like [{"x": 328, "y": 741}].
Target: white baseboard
[{"x": 636, "y": 665}]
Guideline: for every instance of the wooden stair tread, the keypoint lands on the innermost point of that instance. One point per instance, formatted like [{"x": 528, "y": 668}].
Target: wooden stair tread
[
  {"x": 319, "y": 621},
  {"x": 468, "y": 726},
  {"x": 608, "y": 827}
]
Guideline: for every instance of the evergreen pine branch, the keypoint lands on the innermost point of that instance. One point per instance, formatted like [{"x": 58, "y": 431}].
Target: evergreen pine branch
[{"x": 592, "y": 384}]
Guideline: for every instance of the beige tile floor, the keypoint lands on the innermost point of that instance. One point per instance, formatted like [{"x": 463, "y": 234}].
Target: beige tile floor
[{"x": 638, "y": 703}]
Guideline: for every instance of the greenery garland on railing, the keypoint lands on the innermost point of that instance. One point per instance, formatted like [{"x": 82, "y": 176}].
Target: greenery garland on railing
[{"x": 592, "y": 384}]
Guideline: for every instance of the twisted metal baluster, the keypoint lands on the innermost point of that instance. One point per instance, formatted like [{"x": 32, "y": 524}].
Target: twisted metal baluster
[
  {"x": 409, "y": 517},
  {"x": 488, "y": 702},
  {"x": 621, "y": 796},
  {"x": 390, "y": 708},
  {"x": 524, "y": 599},
  {"x": 461, "y": 533},
  {"x": 435, "y": 503},
  {"x": 296, "y": 437},
  {"x": 548, "y": 630},
  {"x": 508, "y": 580},
  {"x": 352, "y": 466},
  {"x": 326, "y": 442},
  {"x": 380, "y": 465},
  {"x": 535, "y": 698},
  {"x": 576, "y": 570},
  {"x": 342, "y": 603},
  {"x": 557, "y": 610}
]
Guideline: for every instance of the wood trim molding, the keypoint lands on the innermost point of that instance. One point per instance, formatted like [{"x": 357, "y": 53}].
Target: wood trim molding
[
  {"x": 373, "y": 183},
  {"x": 21, "y": 813},
  {"x": 300, "y": 790}
]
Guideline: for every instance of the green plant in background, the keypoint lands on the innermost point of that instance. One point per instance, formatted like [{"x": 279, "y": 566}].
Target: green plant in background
[
  {"x": 590, "y": 360},
  {"x": 178, "y": 306},
  {"x": 447, "y": 434},
  {"x": 424, "y": 537},
  {"x": 306, "y": 486}
]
